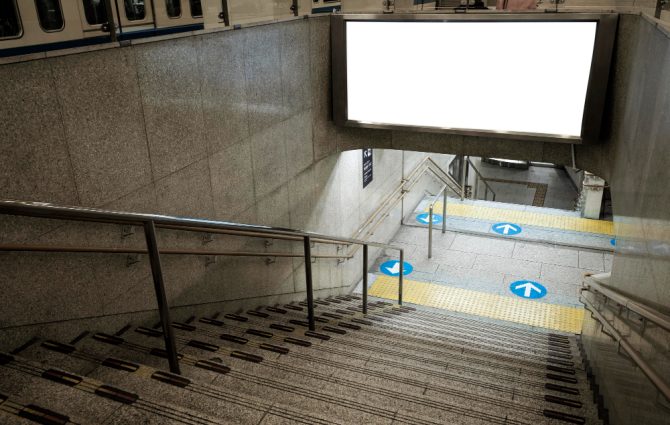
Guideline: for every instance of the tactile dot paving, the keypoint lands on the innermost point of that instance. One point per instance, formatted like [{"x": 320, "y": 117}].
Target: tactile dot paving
[
  {"x": 533, "y": 313},
  {"x": 576, "y": 224}
]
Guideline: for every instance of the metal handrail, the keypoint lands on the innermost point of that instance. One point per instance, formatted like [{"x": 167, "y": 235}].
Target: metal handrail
[
  {"x": 648, "y": 371},
  {"x": 443, "y": 192},
  {"x": 426, "y": 165},
  {"x": 151, "y": 221},
  {"x": 483, "y": 179},
  {"x": 648, "y": 313},
  {"x": 445, "y": 177},
  {"x": 197, "y": 252}
]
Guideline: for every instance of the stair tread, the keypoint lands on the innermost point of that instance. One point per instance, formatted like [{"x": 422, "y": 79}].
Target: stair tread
[{"x": 413, "y": 366}]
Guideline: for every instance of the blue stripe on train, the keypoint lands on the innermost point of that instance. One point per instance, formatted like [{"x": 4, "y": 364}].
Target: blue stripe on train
[
  {"x": 159, "y": 31},
  {"x": 25, "y": 50},
  {"x": 38, "y": 48},
  {"x": 326, "y": 9}
]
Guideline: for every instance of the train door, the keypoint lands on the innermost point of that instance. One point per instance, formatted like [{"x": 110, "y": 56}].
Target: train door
[
  {"x": 216, "y": 13},
  {"x": 135, "y": 16},
  {"x": 94, "y": 18}
]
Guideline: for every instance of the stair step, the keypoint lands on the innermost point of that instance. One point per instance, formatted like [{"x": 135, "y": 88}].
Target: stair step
[{"x": 396, "y": 364}]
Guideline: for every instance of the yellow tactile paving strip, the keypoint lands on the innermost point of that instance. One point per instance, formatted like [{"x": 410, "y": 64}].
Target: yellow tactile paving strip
[
  {"x": 533, "y": 313},
  {"x": 528, "y": 218}
]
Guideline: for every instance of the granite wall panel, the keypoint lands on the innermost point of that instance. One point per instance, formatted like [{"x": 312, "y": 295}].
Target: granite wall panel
[
  {"x": 231, "y": 169},
  {"x": 34, "y": 160},
  {"x": 224, "y": 100},
  {"x": 262, "y": 58},
  {"x": 102, "y": 113},
  {"x": 170, "y": 83},
  {"x": 637, "y": 152}
]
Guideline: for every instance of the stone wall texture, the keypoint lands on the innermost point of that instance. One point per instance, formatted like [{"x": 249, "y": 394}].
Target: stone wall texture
[{"x": 636, "y": 157}]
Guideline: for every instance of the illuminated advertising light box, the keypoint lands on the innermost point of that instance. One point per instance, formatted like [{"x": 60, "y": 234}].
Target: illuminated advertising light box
[{"x": 525, "y": 76}]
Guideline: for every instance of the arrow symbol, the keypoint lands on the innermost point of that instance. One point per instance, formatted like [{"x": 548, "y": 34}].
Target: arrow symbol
[
  {"x": 425, "y": 218},
  {"x": 395, "y": 269},
  {"x": 506, "y": 228},
  {"x": 528, "y": 288}
]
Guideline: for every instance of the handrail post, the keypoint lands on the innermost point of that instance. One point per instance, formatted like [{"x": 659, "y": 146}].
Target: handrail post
[
  {"x": 308, "y": 282},
  {"x": 430, "y": 232},
  {"x": 444, "y": 211},
  {"x": 365, "y": 279},
  {"x": 463, "y": 165},
  {"x": 161, "y": 299},
  {"x": 402, "y": 262},
  {"x": 473, "y": 192}
]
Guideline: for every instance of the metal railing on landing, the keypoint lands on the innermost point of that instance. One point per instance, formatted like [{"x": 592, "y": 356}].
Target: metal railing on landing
[
  {"x": 479, "y": 177},
  {"x": 648, "y": 314},
  {"x": 427, "y": 165},
  {"x": 150, "y": 222}
]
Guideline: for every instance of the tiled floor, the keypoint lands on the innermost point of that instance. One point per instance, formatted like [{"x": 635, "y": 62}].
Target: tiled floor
[
  {"x": 560, "y": 193},
  {"x": 546, "y": 225},
  {"x": 483, "y": 304},
  {"x": 490, "y": 264},
  {"x": 528, "y": 216}
]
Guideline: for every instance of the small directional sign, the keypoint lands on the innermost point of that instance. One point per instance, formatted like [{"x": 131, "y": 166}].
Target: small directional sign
[
  {"x": 425, "y": 218},
  {"x": 392, "y": 268},
  {"x": 506, "y": 229},
  {"x": 367, "y": 167},
  {"x": 528, "y": 289},
  {"x": 613, "y": 242}
]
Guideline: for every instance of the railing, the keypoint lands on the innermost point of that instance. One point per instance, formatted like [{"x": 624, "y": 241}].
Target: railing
[
  {"x": 427, "y": 165},
  {"x": 442, "y": 192},
  {"x": 478, "y": 178},
  {"x": 150, "y": 222},
  {"x": 464, "y": 164},
  {"x": 648, "y": 314}
]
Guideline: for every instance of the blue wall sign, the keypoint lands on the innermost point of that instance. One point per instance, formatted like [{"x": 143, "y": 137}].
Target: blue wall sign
[
  {"x": 392, "y": 268},
  {"x": 528, "y": 289},
  {"x": 613, "y": 242},
  {"x": 506, "y": 229},
  {"x": 425, "y": 218}
]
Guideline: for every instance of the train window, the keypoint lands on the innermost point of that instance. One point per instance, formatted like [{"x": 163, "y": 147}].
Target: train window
[
  {"x": 10, "y": 24},
  {"x": 50, "y": 14},
  {"x": 173, "y": 8},
  {"x": 135, "y": 10},
  {"x": 95, "y": 11},
  {"x": 196, "y": 8}
]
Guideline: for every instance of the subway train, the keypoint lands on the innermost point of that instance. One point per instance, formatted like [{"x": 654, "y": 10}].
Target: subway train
[{"x": 30, "y": 26}]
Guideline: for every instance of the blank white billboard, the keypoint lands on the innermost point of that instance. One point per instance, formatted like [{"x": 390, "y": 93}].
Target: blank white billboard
[{"x": 521, "y": 77}]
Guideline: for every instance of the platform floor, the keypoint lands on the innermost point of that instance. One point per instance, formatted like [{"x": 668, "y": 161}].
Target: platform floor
[
  {"x": 472, "y": 274},
  {"x": 539, "y": 224},
  {"x": 541, "y": 186},
  {"x": 484, "y": 304}
]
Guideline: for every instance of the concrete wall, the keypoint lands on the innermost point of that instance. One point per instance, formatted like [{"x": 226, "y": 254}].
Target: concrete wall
[
  {"x": 230, "y": 125},
  {"x": 638, "y": 151}
]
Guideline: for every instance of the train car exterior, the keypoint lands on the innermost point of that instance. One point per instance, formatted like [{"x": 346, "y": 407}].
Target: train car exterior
[
  {"x": 239, "y": 12},
  {"x": 326, "y": 6},
  {"x": 29, "y": 26}
]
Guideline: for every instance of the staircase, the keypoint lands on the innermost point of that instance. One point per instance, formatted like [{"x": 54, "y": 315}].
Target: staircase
[{"x": 395, "y": 365}]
